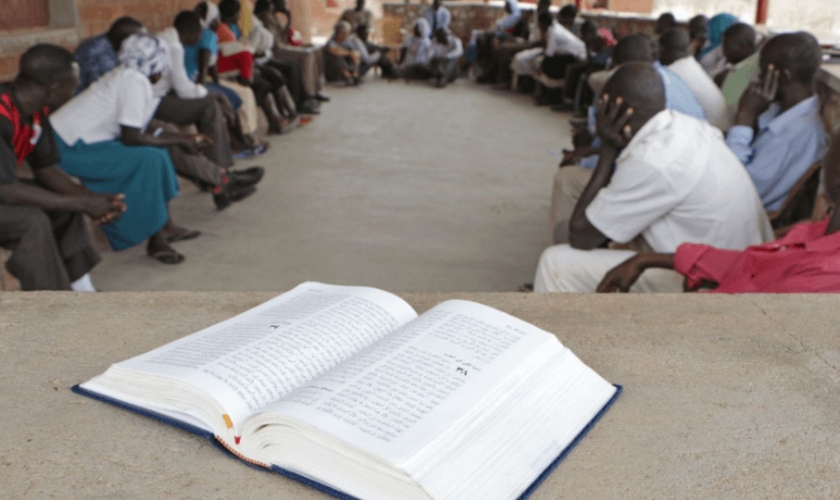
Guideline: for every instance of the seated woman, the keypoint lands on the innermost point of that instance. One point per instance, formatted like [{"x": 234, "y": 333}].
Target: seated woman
[
  {"x": 417, "y": 53},
  {"x": 341, "y": 62},
  {"x": 200, "y": 63},
  {"x": 208, "y": 57},
  {"x": 269, "y": 86},
  {"x": 101, "y": 138}
]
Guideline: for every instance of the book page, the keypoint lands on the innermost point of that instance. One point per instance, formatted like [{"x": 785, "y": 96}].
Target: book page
[
  {"x": 251, "y": 360},
  {"x": 402, "y": 391}
]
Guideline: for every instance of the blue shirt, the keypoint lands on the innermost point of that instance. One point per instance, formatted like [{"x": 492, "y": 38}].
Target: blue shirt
[
  {"x": 786, "y": 146},
  {"x": 95, "y": 57},
  {"x": 439, "y": 19},
  {"x": 678, "y": 96},
  {"x": 209, "y": 41}
]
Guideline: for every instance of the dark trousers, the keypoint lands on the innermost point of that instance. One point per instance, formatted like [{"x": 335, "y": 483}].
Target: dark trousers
[
  {"x": 416, "y": 72},
  {"x": 265, "y": 81},
  {"x": 293, "y": 79},
  {"x": 207, "y": 117},
  {"x": 49, "y": 250},
  {"x": 554, "y": 67},
  {"x": 335, "y": 66},
  {"x": 445, "y": 70},
  {"x": 384, "y": 63},
  {"x": 197, "y": 168}
]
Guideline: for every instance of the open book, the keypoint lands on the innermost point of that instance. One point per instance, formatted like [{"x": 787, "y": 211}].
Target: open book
[{"x": 348, "y": 390}]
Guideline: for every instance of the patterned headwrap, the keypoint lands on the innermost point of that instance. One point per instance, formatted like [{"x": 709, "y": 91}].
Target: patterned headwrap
[
  {"x": 147, "y": 54},
  {"x": 212, "y": 14}
]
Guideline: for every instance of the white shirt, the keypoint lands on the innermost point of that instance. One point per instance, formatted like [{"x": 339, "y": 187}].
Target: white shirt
[
  {"x": 708, "y": 94},
  {"x": 452, "y": 49},
  {"x": 176, "y": 76},
  {"x": 122, "y": 96},
  {"x": 677, "y": 182},
  {"x": 562, "y": 41}
]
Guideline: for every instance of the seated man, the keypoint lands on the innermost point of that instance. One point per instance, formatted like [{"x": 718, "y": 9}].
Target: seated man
[
  {"x": 42, "y": 222},
  {"x": 98, "y": 55},
  {"x": 437, "y": 16},
  {"x": 561, "y": 49},
  {"x": 778, "y": 133},
  {"x": 370, "y": 54},
  {"x": 804, "y": 261},
  {"x": 308, "y": 57},
  {"x": 100, "y": 135},
  {"x": 261, "y": 40},
  {"x": 200, "y": 65},
  {"x": 698, "y": 27},
  {"x": 358, "y": 16},
  {"x": 269, "y": 85},
  {"x": 526, "y": 37},
  {"x": 518, "y": 57},
  {"x": 665, "y": 22},
  {"x": 741, "y": 52},
  {"x": 663, "y": 179},
  {"x": 341, "y": 62},
  {"x": 484, "y": 43},
  {"x": 674, "y": 53},
  {"x": 447, "y": 49},
  {"x": 576, "y": 170},
  {"x": 417, "y": 53},
  {"x": 184, "y": 102}
]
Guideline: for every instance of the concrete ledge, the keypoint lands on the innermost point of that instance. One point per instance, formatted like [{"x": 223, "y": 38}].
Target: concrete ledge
[{"x": 725, "y": 396}]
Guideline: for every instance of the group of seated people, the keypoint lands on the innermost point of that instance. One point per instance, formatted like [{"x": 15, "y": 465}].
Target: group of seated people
[
  {"x": 107, "y": 130},
  {"x": 430, "y": 52},
  {"x": 685, "y": 174}
]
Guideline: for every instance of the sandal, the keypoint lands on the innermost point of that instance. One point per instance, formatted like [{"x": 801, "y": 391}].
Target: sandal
[
  {"x": 183, "y": 235},
  {"x": 167, "y": 256}
]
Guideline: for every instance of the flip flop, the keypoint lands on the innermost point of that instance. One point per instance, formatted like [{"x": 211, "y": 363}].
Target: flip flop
[
  {"x": 170, "y": 257},
  {"x": 187, "y": 234}
]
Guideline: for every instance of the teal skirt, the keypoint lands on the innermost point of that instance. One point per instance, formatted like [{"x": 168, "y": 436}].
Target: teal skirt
[{"x": 144, "y": 174}]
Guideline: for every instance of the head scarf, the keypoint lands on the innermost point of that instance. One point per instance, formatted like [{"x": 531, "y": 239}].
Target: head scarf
[
  {"x": 425, "y": 29},
  {"x": 717, "y": 26},
  {"x": 212, "y": 15},
  {"x": 146, "y": 53}
]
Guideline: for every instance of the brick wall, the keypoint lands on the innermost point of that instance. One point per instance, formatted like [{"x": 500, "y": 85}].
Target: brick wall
[{"x": 94, "y": 17}]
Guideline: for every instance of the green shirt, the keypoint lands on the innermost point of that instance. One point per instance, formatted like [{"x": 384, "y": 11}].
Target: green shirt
[{"x": 738, "y": 80}]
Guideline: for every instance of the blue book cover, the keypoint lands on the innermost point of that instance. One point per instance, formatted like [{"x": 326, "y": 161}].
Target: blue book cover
[{"x": 314, "y": 484}]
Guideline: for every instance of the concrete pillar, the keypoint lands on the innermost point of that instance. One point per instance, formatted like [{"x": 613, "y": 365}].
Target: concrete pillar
[{"x": 302, "y": 17}]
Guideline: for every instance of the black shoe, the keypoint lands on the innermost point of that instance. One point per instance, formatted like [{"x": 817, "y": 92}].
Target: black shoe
[
  {"x": 321, "y": 97},
  {"x": 232, "y": 195},
  {"x": 248, "y": 177},
  {"x": 309, "y": 107}
]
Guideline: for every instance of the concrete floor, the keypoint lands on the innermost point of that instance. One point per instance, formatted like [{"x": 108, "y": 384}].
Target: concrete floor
[{"x": 403, "y": 187}]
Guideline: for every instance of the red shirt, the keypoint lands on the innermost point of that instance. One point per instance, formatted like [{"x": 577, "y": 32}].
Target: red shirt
[
  {"x": 804, "y": 261},
  {"x": 23, "y": 138}
]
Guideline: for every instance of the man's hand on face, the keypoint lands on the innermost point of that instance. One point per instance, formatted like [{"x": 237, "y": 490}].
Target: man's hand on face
[
  {"x": 612, "y": 122},
  {"x": 758, "y": 97}
]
